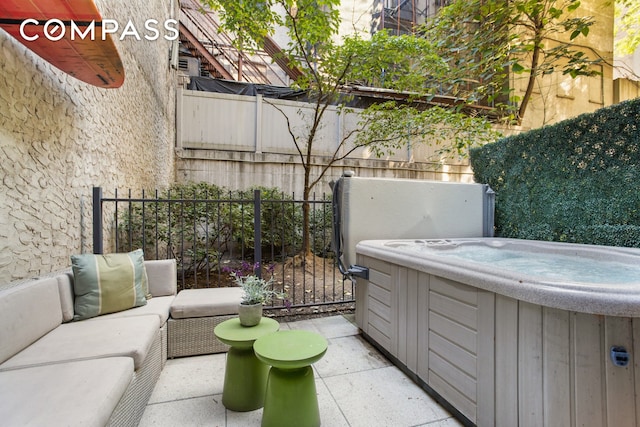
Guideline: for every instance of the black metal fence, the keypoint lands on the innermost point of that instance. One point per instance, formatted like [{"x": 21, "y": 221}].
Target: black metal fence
[{"x": 211, "y": 234}]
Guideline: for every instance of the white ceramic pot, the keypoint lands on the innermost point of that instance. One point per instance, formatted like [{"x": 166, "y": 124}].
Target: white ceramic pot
[{"x": 250, "y": 315}]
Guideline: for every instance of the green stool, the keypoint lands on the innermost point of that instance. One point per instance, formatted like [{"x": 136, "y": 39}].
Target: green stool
[
  {"x": 291, "y": 398},
  {"x": 245, "y": 377}
]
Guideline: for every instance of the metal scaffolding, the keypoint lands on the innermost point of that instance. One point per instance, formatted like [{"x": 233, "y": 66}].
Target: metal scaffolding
[{"x": 402, "y": 16}]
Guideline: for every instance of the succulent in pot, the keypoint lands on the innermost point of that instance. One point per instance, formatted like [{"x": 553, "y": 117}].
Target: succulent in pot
[{"x": 256, "y": 293}]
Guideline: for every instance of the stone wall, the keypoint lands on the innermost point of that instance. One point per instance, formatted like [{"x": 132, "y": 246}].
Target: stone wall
[{"x": 59, "y": 137}]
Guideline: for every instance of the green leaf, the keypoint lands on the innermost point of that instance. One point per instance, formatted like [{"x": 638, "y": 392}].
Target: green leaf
[
  {"x": 517, "y": 68},
  {"x": 573, "y": 6}
]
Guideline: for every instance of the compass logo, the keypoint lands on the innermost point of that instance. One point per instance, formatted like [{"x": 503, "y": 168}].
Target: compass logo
[{"x": 56, "y": 29}]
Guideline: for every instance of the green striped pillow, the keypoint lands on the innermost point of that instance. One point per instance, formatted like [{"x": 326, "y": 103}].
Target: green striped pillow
[{"x": 108, "y": 283}]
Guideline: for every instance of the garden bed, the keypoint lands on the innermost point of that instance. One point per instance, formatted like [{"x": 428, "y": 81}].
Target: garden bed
[{"x": 314, "y": 282}]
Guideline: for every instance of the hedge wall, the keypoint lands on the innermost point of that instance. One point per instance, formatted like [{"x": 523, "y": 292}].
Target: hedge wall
[{"x": 575, "y": 181}]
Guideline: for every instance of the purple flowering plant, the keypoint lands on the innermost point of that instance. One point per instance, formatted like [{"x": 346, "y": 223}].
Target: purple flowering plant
[{"x": 256, "y": 289}]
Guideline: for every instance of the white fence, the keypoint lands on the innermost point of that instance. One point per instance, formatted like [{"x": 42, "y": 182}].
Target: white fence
[
  {"x": 255, "y": 124},
  {"x": 215, "y": 130}
]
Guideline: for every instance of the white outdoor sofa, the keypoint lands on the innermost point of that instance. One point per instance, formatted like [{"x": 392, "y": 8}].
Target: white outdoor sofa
[
  {"x": 95, "y": 372},
  {"x": 57, "y": 370}
]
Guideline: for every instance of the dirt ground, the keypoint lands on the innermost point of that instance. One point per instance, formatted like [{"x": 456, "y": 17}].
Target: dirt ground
[{"x": 297, "y": 276}]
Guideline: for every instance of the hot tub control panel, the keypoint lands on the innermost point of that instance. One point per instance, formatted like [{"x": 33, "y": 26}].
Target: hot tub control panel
[{"x": 620, "y": 356}]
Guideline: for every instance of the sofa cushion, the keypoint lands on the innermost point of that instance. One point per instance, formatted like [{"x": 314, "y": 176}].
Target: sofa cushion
[
  {"x": 65, "y": 288},
  {"x": 27, "y": 312},
  {"x": 158, "y": 306},
  {"x": 206, "y": 302},
  {"x": 79, "y": 394},
  {"x": 162, "y": 277},
  {"x": 99, "y": 338},
  {"x": 108, "y": 283}
]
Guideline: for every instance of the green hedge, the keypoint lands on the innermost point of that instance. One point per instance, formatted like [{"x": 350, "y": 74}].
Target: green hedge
[
  {"x": 199, "y": 224},
  {"x": 575, "y": 181}
]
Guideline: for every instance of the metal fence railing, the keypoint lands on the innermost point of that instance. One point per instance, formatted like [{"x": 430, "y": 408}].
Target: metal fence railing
[{"x": 210, "y": 234}]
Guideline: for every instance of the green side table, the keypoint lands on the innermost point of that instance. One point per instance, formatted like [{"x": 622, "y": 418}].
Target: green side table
[
  {"x": 245, "y": 377},
  {"x": 291, "y": 399}
]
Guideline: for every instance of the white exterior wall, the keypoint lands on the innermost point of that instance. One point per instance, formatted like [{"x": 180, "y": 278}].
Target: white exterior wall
[
  {"x": 59, "y": 137},
  {"x": 358, "y": 16}
]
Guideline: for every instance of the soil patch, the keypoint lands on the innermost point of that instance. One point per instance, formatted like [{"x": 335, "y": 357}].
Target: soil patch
[{"x": 312, "y": 282}]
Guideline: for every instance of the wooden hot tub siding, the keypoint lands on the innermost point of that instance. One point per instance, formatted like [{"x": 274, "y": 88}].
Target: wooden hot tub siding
[{"x": 497, "y": 360}]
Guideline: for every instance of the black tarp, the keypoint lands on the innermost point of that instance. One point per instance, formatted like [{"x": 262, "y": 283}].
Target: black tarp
[
  {"x": 208, "y": 84},
  {"x": 361, "y": 97}
]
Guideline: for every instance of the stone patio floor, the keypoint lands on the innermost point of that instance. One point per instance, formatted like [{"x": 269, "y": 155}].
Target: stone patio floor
[{"x": 356, "y": 386}]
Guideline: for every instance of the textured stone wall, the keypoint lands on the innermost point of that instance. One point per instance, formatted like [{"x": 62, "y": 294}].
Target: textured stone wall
[{"x": 59, "y": 137}]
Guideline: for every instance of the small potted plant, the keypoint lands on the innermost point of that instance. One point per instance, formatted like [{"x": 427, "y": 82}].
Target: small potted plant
[{"x": 257, "y": 292}]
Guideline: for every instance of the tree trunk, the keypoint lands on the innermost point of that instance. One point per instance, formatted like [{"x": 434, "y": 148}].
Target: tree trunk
[
  {"x": 532, "y": 80},
  {"x": 306, "y": 213}
]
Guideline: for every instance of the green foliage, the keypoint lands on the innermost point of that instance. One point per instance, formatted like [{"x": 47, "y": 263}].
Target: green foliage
[
  {"x": 280, "y": 221},
  {"x": 256, "y": 290},
  {"x": 281, "y": 224},
  {"x": 401, "y": 63},
  {"x": 329, "y": 66},
  {"x": 627, "y": 26},
  {"x": 576, "y": 181},
  {"x": 407, "y": 63},
  {"x": 453, "y": 132},
  {"x": 321, "y": 227},
  {"x": 251, "y": 20},
  {"x": 199, "y": 223},
  {"x": 485, "y": 39},
  {"x": 181, "y": 224},
  {"x": 474, "y": 38}
]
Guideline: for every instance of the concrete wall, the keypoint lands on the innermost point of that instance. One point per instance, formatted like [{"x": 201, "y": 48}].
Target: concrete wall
[
  {"x": 241, "y": 170},
  {"x": 59, "y": 137},
  {"x": 238, "y": 141}
]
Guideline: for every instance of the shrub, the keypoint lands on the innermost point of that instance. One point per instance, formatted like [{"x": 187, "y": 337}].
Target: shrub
[
  {"x": 188, "y": 222},
  {"x": 321, "y": 225},
  {"x": 199, "y": 224},
  {"x": 280, "y": 221},
  {"x": 576, "y": 181}
]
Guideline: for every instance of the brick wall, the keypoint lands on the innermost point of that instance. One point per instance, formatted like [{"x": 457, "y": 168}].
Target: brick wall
[{"x": 59, "y": 137}]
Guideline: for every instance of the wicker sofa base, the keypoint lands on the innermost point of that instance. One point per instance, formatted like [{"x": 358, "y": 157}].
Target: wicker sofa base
[
  {"x": 194, "y": 336},
  {"x": 131, "y": 407}
]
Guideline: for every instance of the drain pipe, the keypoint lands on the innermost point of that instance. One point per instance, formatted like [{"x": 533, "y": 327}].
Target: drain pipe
[
  {"x": 488, "y": 211},
  {"x": 336, "y": 238}
]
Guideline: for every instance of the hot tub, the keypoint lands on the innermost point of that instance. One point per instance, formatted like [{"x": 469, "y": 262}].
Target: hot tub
[{"x": 509, "y": 332}]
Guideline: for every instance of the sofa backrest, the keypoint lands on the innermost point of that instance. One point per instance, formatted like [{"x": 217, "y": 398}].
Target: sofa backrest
[
  {"x": 31, "y": 309},
  {"x": 27, "y": 312},
  {"x": 162, "y": 276},
  {"x": 65, "y": 288}
]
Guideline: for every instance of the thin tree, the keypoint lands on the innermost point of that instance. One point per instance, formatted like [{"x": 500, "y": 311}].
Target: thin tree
[
  {"x": 406, "y": 65},
  {"x": 486, "y": 40}
]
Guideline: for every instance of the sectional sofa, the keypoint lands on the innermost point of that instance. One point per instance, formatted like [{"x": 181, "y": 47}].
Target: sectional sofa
[{"x": 65, "y": 363}]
